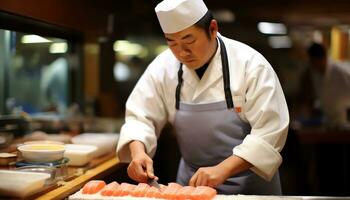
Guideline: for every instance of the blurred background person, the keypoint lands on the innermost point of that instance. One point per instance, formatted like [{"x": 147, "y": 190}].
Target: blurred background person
[{"x": 324, "y": 90}]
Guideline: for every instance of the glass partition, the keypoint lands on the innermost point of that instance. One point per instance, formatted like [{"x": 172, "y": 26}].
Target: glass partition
[
  {"x": 40, "y": 66},
  {"x": 36, "y": 73}
]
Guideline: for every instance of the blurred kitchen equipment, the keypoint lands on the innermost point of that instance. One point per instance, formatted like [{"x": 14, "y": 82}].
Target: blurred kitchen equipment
[
  {"x": 17, "y": 125},
  {"x": 47, "y": 122},
  {"x": 40, "y": 135},
  {"x": 7, "y": 158},
  {"x": 21, "y": 184},
  {"x": 105, "y": 142},
  {"x": 5, "y": 139}
]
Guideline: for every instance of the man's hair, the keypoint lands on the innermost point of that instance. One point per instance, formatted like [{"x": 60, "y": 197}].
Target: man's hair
[
  {"x": 316, "y": 51},
  {"x": 204, "y": 22}
]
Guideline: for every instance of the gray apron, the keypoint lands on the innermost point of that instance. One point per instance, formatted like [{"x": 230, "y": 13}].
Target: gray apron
[{"x": 207, "y": 133}]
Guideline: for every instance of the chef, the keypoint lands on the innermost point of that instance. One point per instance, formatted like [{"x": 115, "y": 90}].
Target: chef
[{"x": 223, "y": 99}]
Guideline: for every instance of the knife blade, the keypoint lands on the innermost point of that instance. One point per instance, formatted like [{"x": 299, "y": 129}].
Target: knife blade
[{"x": 153, "y": 182}]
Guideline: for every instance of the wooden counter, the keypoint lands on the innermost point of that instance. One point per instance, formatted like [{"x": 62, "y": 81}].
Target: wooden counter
[
  {"x": 75, "y": 178},
  {"x": 75, "y": 184}
]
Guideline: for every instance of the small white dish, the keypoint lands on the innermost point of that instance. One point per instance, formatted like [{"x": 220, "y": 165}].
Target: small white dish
[
  {"x": 20, "y": 183},
  {"x": 41, "y": 152},
  {"x": 79, "y": 154}
]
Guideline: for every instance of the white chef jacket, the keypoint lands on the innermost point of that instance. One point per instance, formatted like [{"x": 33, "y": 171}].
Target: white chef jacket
[{"x": 254, "y": 86}]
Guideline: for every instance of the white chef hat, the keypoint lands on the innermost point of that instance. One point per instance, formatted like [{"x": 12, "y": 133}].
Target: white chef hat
[{"x": 177, "y": 15}]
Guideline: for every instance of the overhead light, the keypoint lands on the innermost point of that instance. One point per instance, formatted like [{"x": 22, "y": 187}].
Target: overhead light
[
  {"x": 224, "y": 15},
  {"x": 125, "y": 47},
  {"x": 59, "y": 47},
  {"x": 28, "y": 39},
  {"x": 272, "y": 28},
  {"x": 279, "y": 42}
]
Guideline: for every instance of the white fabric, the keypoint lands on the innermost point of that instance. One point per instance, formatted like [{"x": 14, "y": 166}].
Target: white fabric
[
  {"x": 254, "y": 85},
  {"x": 177, "y": 15},
  {"x": 335, "y": 95}
]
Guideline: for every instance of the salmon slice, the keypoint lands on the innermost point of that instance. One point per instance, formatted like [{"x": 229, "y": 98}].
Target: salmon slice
[
  {"x": 154, "y": 192},
  {"x": 185, "y": 192},
  {"x": 203, "y": 193},
  {"x": 93, "y": 186},
  {"x": 140, "y": 190},
  {"x": 124, "y": 189},
  {"x": 171, "y": 190},
  {"x": 109, "y": 189}
]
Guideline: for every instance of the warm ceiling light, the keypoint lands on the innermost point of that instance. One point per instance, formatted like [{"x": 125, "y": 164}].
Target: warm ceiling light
[
  {"x": 125, "y": 47},
  {"x": 272, "y": 28},
  {"x": 58, "y": 47},
  {"x": 28, "y": 39}
]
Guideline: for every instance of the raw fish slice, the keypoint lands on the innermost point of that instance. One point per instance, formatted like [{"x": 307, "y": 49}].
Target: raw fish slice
[
  {"x": 140, "y": 190},
  {"x": 124, "y": 189},
  {"x": 109, "y": 189},
  {"x": 204, "y": 193},
  {"x": 93, "y": 186},
  {"x": 185, "y": 192},
  {"x": 171, "y": 190},
  {"x": 154, "y": 192}
]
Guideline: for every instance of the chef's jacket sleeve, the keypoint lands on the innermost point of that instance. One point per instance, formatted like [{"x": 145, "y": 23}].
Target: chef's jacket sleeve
[
  {"x": 266, "y": 110},
  {"x": 145, "y": 114}
]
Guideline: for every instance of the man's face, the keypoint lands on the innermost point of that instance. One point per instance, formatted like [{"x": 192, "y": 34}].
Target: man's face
[{"x": 192, "y": 46}]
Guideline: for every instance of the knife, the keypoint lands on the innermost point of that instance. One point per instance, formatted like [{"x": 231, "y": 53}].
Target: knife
[{"x": 153, "y": 182}]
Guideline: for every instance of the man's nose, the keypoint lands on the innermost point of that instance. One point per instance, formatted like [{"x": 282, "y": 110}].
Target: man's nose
[{"x": 184, "y": 51}]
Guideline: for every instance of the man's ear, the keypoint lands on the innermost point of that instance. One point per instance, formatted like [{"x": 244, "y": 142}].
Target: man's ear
[{"x": 213, "y": 28}]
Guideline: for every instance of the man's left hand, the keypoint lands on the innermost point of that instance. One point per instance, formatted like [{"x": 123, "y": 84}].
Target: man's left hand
[{"x": 209, "y": 176}]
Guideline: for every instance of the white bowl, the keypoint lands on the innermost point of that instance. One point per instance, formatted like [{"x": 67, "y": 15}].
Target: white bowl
[
  {"x": 105, "y": 142},
  {"x": 41, "y": 152},
  {"x": 21, "y": 184},
  {"x": 79, "y": 154}
]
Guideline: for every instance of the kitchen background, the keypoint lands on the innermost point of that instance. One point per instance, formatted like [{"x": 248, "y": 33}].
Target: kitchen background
[{"x": 77, "y": 62}]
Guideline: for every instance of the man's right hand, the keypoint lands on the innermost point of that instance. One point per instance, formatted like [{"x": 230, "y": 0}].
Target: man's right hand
[{"x": 140, "y": 168}]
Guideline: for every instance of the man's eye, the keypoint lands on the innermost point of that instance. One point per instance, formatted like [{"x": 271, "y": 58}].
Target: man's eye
[
  {"x": 190, "y": 42},
  {"x": 172, "y": 44}
]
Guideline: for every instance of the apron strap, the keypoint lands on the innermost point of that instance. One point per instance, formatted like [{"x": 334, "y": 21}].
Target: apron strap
[
  {"x": 226, "y": 78},
  {"x": 178, "y": 87},
  {"x": 226, "y": 75}
]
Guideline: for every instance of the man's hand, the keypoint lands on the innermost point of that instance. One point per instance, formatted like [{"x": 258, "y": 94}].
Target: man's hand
[
  {"x": 141, "y": 165},
  {"x": 216, "y": 175},
  {"x": 209, "y": 176}
]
